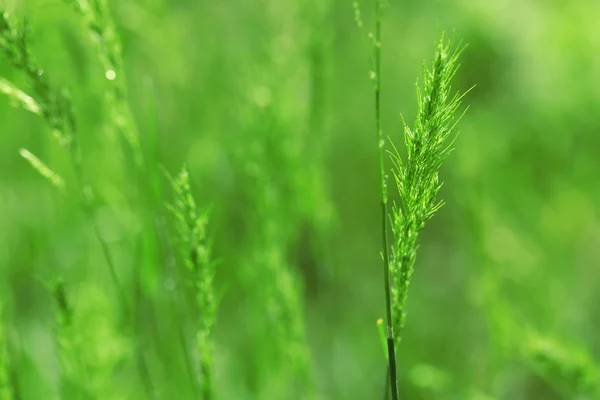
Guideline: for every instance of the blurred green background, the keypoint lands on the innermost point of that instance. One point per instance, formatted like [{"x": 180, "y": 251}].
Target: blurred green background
[{"x": 505, "y": 301}]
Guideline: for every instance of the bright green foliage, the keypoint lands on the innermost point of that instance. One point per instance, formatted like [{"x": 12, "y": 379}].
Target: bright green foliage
[
  {"x": 56, "y": 109},
  {"x": 45, "y": 171},
  {"x": 277, "y": 288},
  {"x": 96, "y": 18},
  {"x": 6, "y": 392},
  {"x": 102, "y": 31},
  {"x": 19, "y": 98},
  {"x": 433, "y": 382},
  {"x": 269, "y": 106},
  {"x": 89, "y": 348},
  {"x": 280, "y": 159},
  {"x": 74, "y": 383},
  {"x": 195, "y": 253},
  {"x": 53, "y": 105},
  {"x": 428, "y": 145},
  {"x": 570, "y": 369}
]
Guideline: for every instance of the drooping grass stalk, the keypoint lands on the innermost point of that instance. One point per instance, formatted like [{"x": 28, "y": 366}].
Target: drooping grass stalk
[
  {"x": 195, "y": 253},
  {"x": 428, "y": 144},
  {"x": 55, "y": 108}
]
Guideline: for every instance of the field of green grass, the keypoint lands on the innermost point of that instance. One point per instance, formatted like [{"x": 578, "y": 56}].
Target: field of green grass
[{"x": 235, "y": 199}]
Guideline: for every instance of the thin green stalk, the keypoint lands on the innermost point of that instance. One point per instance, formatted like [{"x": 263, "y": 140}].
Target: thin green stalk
[
  {"x": 384, "y": 203},
  {"x": 386, "y": 386}
]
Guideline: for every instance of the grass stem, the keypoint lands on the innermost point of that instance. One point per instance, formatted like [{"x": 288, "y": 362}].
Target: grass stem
[{"x": 384, "y": 207}]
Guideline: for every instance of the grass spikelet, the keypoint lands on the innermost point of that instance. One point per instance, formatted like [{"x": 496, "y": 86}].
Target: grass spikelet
[
  {"x": 195, "y": 253},
  {"x": 428, "y": 144}
]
